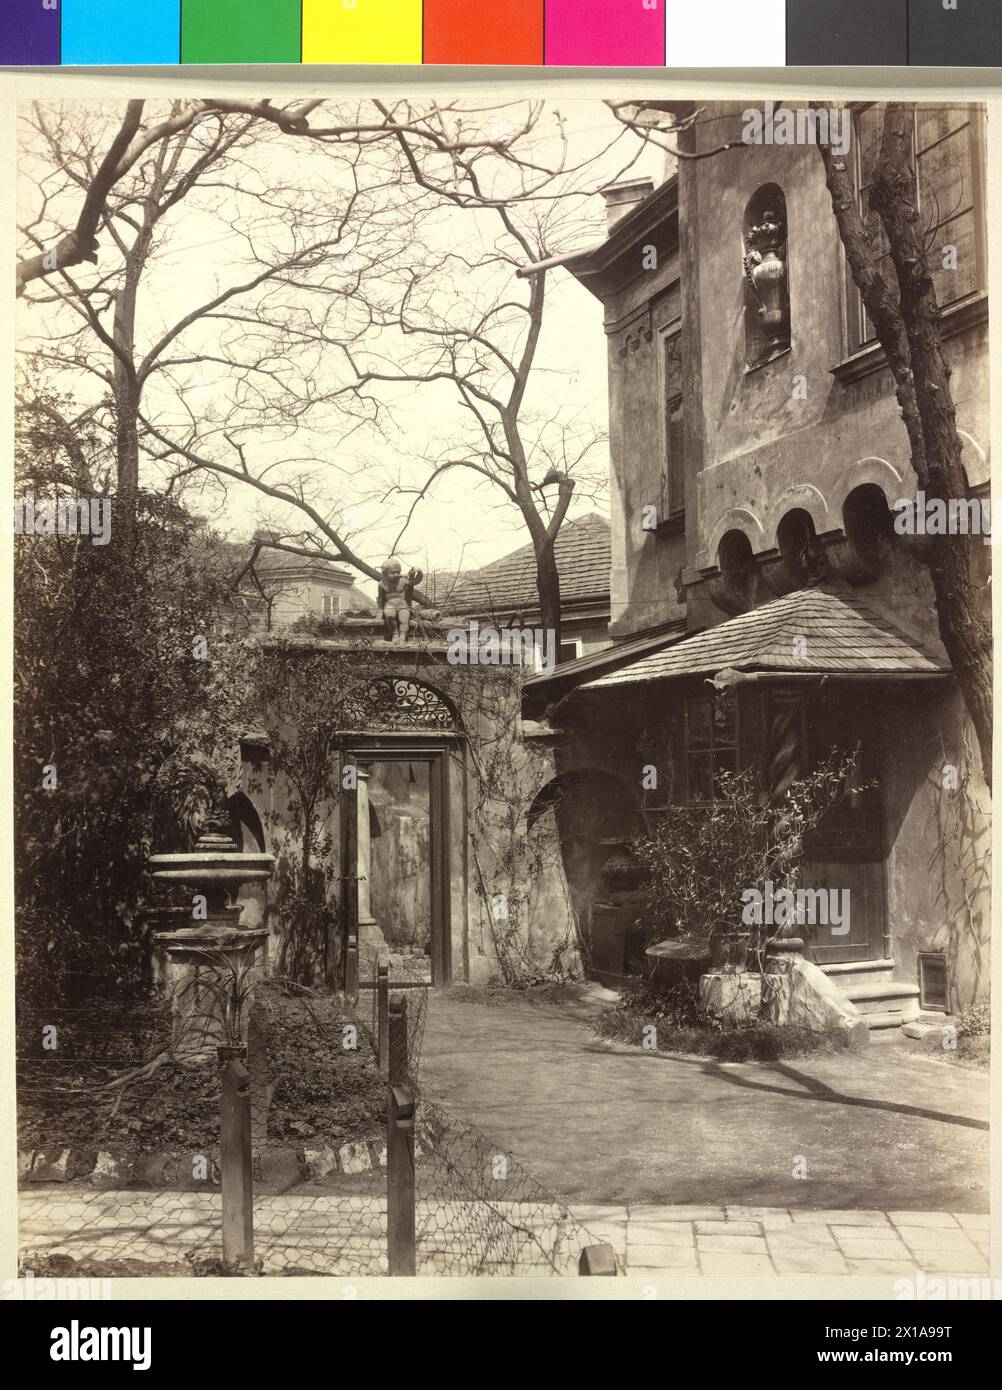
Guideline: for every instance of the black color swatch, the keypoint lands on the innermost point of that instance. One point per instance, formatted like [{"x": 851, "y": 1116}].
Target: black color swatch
[
  {"x": 820, "y": 33},
  {"x": 969, "y": 36}
]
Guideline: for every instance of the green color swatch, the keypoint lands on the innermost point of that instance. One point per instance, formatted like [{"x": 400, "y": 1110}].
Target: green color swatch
[{"x": 240, "y": 31}]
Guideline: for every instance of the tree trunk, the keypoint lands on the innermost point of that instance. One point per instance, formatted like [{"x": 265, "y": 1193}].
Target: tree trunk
[
  {"x": 966, "y": 633},
  {"x": 548, "y": 586},
  {"x": 908, "y": 327}
]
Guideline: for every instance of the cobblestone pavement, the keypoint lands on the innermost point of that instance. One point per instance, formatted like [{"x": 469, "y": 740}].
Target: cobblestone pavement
[{"x": 345, "y": 1235}]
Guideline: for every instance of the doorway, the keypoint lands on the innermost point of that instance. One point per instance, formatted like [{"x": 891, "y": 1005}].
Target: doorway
[{"x": 399, "y": 856}]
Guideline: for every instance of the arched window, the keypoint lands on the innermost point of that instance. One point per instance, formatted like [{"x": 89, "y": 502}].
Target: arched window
[{"x": 767, "y": 278}]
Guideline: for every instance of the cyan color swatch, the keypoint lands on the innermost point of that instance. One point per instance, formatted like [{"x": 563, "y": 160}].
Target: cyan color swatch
[{"x": 103, "y": 33}]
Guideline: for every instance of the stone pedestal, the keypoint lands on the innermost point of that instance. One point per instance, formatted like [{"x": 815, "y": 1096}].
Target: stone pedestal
[
  {"x": 211, "y": 974},
  {"x": 735, "y": 995},
  {"x": 210, "y": 962}
]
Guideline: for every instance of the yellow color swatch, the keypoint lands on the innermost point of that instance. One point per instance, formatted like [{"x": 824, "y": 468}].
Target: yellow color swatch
[{"x": 362, "y": 31}]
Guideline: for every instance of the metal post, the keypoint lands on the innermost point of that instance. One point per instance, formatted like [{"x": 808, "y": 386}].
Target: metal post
[
  {"x": 235, "y": 1162},
  {"x": 400, "y": 1194}
]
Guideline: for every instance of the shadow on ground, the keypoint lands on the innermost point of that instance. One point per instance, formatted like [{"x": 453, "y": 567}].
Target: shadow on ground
[{"x": 596, "y": 1121}]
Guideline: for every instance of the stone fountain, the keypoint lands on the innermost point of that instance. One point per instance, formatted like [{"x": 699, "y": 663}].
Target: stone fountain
[{"x": 210, "y": 962}]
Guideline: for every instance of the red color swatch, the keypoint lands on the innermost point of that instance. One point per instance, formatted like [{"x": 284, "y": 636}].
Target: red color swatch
[{"x": 471, "y": 31}]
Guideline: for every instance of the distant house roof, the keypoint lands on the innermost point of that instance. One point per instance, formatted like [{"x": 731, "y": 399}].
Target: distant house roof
[
  {"x": 584, "y": 559},
  {"x": 811, "y": 630},
  {"x": 279, "y": 561}
]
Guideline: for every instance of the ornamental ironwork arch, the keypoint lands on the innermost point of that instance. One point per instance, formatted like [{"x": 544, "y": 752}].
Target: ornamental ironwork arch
[{"x": 398, "y": 702}]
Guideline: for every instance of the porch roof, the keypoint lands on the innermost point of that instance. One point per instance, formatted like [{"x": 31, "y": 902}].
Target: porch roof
[{"x": 843, "y": 635}]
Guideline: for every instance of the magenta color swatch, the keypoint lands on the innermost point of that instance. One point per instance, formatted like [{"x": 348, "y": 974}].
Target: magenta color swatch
[{"x": 604, "y": 33}]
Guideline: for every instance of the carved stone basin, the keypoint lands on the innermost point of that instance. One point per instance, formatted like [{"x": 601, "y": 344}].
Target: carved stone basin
[{"x": 219, "y": 868}]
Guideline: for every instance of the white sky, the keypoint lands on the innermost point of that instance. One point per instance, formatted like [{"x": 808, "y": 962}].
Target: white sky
[{"x": 463, "y": 522}]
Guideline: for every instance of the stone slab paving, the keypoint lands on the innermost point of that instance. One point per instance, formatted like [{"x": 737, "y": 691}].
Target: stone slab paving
[{"x": 345, "y": 1235}]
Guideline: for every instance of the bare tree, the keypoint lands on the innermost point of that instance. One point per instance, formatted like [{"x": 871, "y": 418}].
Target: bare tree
[{"x": 134, "y": 170}]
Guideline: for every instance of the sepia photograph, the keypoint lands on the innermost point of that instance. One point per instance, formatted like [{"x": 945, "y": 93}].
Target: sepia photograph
[{"x": 502, "y": 689}]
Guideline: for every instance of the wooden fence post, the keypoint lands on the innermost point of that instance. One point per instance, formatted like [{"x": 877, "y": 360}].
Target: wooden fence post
[
  {"x": 351, "y": 969},
  {"x": 235, "y": 1162},
  {"x": 401, "y": 1225},
  {"x": 257, "y": 1069},
  {"x": 383, "y": 1016}
]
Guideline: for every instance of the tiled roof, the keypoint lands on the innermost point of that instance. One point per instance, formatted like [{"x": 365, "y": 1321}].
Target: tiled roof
[
  {"x": 584, "y": 561},
  {"x": 811, "y": 630}
]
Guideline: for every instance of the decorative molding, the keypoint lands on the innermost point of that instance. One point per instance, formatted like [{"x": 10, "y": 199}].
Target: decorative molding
[{"x": 636, "y": 329}]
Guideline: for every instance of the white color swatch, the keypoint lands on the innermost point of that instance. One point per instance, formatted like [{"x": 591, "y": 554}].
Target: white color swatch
[{"x": 725, "y": 33}]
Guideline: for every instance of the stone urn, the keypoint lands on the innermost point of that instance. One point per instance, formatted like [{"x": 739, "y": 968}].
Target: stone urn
[
  {"x": 765, "y": 267},
  {"x": 210, "y": 958}
]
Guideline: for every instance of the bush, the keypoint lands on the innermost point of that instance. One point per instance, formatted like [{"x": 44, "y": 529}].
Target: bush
[{"x": 976, "y": 1021}]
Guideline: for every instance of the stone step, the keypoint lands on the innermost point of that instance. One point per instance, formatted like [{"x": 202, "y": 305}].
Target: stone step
[
  {"x": 888, "y": 1019},
  {"x": 848, "y": 971},
  {"x": 883, "y": 996},
  {"x": 884, "y": 1004}
]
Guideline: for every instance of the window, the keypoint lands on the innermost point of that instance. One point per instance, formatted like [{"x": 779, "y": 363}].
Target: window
[
  {"x": 934, "y": 990},
  {"x": 946, "y": 152},
  {"x": 710, "y": 744},
  {"x": 569, "y": 651},
  {"x": 332, "y": 605},
  {"x": 673, "y": 431}
]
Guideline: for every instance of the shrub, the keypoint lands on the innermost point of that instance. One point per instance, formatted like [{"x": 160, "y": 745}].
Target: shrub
[
  {"x": 682, "y": 1025},
  {"x": 701, "y": 860},
  {"x": 976, "y": 1021}
]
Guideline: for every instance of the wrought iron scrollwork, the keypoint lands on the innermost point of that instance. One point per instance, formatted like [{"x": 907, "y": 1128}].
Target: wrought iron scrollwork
[{"x": 396, "y": 702}]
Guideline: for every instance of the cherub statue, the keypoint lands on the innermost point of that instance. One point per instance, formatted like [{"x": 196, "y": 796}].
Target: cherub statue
[{"x": 396, "y": 598}]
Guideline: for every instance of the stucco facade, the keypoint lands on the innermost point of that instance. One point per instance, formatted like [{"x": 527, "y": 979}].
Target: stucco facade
[{"x": 792, "y": 452}]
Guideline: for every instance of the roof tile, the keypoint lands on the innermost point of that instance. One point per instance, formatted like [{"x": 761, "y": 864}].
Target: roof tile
[
  {"x": 584, "y": 561},
  {"x": 841, "y": 634}
]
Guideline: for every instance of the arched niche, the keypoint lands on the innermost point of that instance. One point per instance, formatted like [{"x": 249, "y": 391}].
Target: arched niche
[
  {"x": 733, "y": 590},
  {"x": 246, "y": 829},
  {"x": 868, "y": 523},
  {"x": 766, "y": 276},
  {"x": 245, "y": 826},
  {"x": 798, "y": 544}
]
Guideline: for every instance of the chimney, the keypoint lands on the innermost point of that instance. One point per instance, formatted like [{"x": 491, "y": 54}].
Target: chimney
[{"x": 621, "y": 197}]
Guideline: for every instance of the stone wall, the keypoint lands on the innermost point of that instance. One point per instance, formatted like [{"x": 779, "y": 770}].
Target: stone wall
[{"x": 508, "y": 899}]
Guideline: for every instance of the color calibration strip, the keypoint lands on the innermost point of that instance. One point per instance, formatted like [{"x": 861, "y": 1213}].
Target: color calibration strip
[{"x": 557, "y": 33}]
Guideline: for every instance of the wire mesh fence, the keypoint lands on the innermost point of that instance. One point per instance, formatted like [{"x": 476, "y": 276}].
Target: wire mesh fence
[{"x": 424, "y": 1192}]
